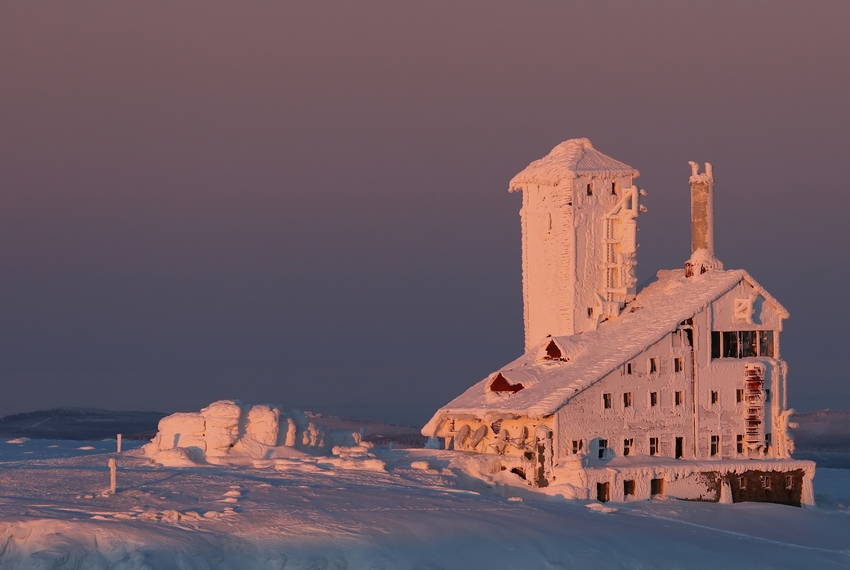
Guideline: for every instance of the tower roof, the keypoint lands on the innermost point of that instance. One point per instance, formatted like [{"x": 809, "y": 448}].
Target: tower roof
[{"x": 568, "y": 160}]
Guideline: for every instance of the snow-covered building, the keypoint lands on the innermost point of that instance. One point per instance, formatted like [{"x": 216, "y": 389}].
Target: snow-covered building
[{"x": 677, "y": 389}]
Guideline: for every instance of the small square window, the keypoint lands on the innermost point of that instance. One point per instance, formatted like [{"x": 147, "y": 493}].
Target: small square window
[
  {"x": 653, "y": 399},
  {"x": 627, "y": 400},
  {"x": 678, "y": 364},
  {"x": 607, "y": 401},
  {"x": 715, "y": 445},
  {"x": 680, "y": 398},
  {"x": 653, "y": 446},
  {"x": 715, "y": 397},
  {"x": 603, "y": 445},
  {"x": 577, "y": 446},
  {"x": 628, "y": 446},
  {"x": 653, "y": 365},
  {"x": 629, "y": 488},
  {"x": 656, "y": 486}
]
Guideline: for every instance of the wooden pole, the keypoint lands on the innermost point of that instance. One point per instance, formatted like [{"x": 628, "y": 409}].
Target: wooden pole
[
  {"x": 119, "y": 443},
  {"x": 113, "y": 467}
]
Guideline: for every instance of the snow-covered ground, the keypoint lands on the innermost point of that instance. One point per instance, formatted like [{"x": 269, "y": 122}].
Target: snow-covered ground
[{"x": 421, "y": 511}]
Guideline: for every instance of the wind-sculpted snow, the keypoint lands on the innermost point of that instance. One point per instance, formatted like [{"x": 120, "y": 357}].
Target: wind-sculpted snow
[{"x": 424, "y": 510}]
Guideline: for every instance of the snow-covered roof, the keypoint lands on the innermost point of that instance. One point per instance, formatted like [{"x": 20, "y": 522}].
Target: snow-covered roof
[
  {"x": 587, "y": 357},
  {"x": 568, "y": 160}
]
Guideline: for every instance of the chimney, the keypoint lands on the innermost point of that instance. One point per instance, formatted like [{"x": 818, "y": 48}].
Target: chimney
[{"x": 702, "y": 222}]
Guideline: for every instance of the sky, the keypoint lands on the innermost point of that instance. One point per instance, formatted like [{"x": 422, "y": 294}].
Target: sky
[{"x": 307, "y": 203}]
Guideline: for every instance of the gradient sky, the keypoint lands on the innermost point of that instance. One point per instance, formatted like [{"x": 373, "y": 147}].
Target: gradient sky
[{"x": 306, "y": 203}]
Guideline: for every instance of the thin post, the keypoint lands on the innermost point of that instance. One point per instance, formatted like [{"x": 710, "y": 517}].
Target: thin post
[
  {"x": 113, "y": 478},
  {"x": 119, "y": 443}
]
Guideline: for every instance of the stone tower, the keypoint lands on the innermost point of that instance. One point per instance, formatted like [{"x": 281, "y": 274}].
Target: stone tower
[{"x": 578, "y": 239}]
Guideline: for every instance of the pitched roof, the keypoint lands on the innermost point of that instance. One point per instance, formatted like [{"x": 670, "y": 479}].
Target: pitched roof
[
  {"x": 568, "y": 160},
  {"x": 590, "y": 356}
]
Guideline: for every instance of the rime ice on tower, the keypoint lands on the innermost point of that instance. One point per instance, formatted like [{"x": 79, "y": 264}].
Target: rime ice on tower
[{"x": 578, "y": 239}]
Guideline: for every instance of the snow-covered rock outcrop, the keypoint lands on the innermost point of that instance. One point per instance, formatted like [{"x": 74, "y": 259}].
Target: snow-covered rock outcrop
[{"x": 230, "y": 432}]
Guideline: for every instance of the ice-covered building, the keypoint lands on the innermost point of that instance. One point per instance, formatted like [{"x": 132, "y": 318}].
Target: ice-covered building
[{"x": 677, "y": 389}]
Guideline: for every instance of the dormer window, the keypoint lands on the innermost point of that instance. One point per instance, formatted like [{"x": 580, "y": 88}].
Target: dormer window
[
  {"x": 552, "y": 351},
  {"x": 501, "y": 384}
]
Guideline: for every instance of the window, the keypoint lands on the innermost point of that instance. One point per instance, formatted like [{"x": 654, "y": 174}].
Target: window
[
  {"x": 628, "y": 445},
  {"x": 739, "y": 441},
  {"x": 589, "y": 190},
  {"x": 767, "y": 440},
  {"x": 742, "y": 483},
  {"x": 653, "y": 399},
  {"x": 656, "y": 486},
  {"x": 629, "y": 488},
  {"x": 715, "y": 397},
  {"x": 715, "y": 445},
  {"x": 742, "y": 344},
  {"x": 629, "y": 368},
  {"x": 577, "y": 446},
  {"x": 678, "y": 364},
  {"x": 789, "y": 482},
  {"x": 715, "y": 344},
  {"x": 653, "y": 365},
  {"x": 767, "y": 395},
  {"x": 603, "y": 445},
  {"x": 765, "y": 482},
  {"x": 627, "y": 400},
  {"x": 680, "y": 447},
  {"x": 739, "y": 395},
  {"x": 653, "y": 446},
  {"x": 607, "y": 401},
  {"x": 590, "y": 312},
  {"x": 680, "y": 398},
  {"x": 603, "y": 492},
  {"x": 766, "y": 343},
  {"x": 730, "y": 345},
  {"x": 614, "y": 188}
]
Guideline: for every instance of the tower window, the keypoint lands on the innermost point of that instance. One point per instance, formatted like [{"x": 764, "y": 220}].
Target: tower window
[{"x": 589, "y": 190}]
